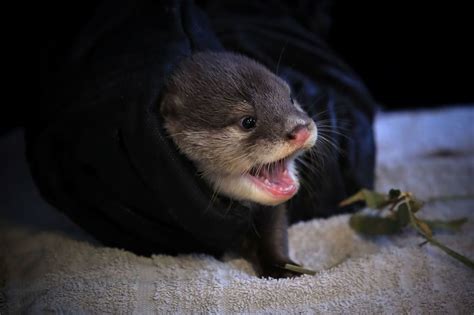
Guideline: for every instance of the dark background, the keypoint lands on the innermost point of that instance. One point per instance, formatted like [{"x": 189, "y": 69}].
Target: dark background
[{"x": 410, "y": 55}]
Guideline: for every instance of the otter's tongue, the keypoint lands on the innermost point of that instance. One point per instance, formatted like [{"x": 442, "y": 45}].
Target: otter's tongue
[{"x": 275, "y": 179}]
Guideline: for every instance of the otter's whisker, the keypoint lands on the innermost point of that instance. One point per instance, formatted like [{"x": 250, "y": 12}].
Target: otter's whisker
[
  {"x": 280, "y": 56},
  {"x": 334, "y": 132}
]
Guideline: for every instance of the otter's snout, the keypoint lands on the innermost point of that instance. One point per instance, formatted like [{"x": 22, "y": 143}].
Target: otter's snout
[
  {"x": 299, "y": 134},
  {"x": 300, "y": 131}
]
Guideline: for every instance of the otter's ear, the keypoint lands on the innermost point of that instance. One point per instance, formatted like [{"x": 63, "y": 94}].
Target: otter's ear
[{"x": 170, "y": 106}]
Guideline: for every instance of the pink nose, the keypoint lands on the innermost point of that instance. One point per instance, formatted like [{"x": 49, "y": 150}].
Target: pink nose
[{"x": 299, "y": 134}]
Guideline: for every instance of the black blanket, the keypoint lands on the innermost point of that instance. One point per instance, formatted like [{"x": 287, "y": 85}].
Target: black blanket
[{"x": 96, "y": 143}]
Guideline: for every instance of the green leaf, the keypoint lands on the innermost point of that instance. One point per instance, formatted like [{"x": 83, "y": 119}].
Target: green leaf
[
  {"x": 371, "y": 225},
  {"x": 394, "y": 193},
  {"x": 406, "y": 207},
  {"x": 299, "y": 269},
  {"x": 453, "y": 225},
  {"x": 372, "y": 199},
  {"x": 359, "y": 196},
  {"x": 402, "y": 215},
  {"x": 450, "y": 197}
]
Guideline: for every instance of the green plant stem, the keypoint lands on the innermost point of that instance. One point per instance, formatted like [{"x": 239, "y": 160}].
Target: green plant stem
[
  {"x": 449, "y": 197},
  {"x": 435, "y": 242}
]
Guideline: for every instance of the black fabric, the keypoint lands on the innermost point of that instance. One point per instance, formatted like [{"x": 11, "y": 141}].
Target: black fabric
[
  {"x": 96, "y": 144},
  {"x": 286, "y": 37}
]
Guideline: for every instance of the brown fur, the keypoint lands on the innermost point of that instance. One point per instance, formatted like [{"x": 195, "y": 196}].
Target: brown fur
[{"x": 205, "y": 100}]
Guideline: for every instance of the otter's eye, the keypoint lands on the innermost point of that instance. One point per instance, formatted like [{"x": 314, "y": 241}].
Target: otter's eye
[
  {"x": 291, "y": 99},
  {"x": 248, "y": 122}
]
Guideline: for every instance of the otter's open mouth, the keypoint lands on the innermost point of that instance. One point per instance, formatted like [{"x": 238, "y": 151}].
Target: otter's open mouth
[{"x": 275, "y": 178}]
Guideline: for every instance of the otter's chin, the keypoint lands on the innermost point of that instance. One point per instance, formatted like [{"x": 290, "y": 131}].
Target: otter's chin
[{"x": 270, "y": 184}]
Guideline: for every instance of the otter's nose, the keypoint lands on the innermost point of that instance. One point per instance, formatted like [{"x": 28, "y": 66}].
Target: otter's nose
[{"x": 299, "y": 134}]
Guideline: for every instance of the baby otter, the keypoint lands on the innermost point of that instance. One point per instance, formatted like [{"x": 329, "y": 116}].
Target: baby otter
[{"x": 240, "y": 125}]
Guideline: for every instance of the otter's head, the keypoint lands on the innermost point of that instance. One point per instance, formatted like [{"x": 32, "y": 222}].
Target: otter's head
[{"x": 239, "y": 124}]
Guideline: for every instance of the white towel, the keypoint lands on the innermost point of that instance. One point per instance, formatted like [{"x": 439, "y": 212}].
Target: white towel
[{"x": 48, "y": 265}]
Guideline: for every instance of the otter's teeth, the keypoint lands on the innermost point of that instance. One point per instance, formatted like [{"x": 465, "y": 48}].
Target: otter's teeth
[{"x": 267, "y": 182}]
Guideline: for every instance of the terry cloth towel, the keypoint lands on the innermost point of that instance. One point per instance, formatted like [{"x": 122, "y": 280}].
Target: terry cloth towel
[{"x": 48, "y": 265}]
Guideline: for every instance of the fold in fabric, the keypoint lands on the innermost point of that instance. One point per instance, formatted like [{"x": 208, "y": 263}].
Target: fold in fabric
[{"x": 98, "y": 151}]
